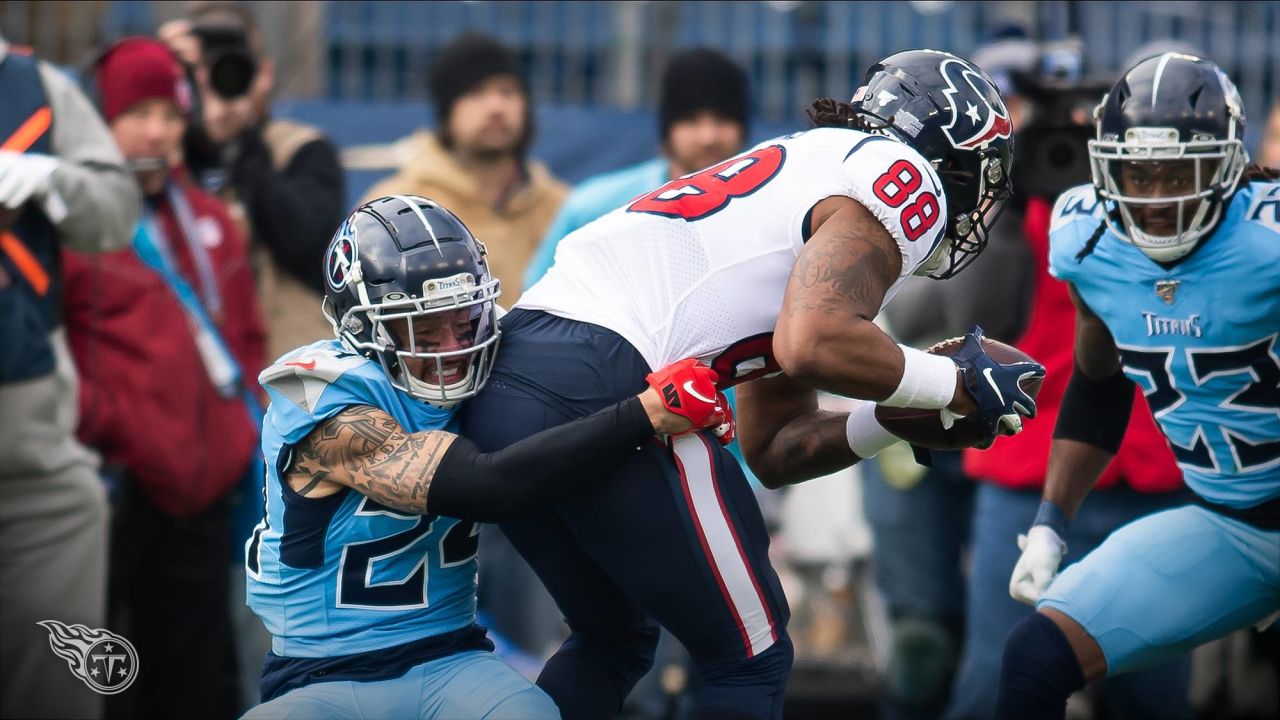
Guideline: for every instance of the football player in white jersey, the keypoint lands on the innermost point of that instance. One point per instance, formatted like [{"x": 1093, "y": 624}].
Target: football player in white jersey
[{"x": 770, "y": 266}]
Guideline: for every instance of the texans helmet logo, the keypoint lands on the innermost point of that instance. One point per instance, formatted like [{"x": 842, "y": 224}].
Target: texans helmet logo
[
  {"x": 975, "y": 120},
  {"x": 340, "y": 257}
]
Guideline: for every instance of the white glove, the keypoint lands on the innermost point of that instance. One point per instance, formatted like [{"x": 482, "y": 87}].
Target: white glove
[
  {"x": 1042, "y": 552},
  {"x": 24, "y": 176}
]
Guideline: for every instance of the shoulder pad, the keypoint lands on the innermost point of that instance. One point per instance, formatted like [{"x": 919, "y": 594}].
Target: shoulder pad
[
  {"x": 1075, "y": 217},
  {"x": 302, "y": 375},
  {"x": 899, "y": 187},
  {"x": 1079, "y": 203},
  {"x": 325, "y": 361},
  {"x": 1264, "y": 204}
]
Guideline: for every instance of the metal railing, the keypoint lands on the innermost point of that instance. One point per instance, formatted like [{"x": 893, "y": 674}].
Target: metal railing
[{"x": 609, "y": 54}]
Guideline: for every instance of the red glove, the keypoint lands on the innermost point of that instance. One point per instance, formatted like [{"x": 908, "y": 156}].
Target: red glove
[{"x": 688, "y": 389}]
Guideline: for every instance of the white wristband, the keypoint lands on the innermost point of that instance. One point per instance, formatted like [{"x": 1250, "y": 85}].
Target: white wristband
[
  {"x": 928, "y": 381},
  {"x": 865, "y": 434}
]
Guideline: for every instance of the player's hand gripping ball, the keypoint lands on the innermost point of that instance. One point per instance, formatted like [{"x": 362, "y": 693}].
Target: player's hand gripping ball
[
  {"x": 688, "y": 389},
  {"x": 942, "y": 430}
]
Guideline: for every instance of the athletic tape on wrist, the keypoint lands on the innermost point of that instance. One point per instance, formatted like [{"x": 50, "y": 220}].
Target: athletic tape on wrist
[
  {"x": 928, "y": 381},
  {"x": 865, "y": 434}
]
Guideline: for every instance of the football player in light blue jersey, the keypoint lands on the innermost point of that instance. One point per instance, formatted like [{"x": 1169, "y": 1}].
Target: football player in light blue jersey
[
  {"x": 1172, "y": 257},
  {"x": 363, "y": 568}
]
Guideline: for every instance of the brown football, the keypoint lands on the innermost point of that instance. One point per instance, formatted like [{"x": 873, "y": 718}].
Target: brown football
[{"x": 924, "y": 427}]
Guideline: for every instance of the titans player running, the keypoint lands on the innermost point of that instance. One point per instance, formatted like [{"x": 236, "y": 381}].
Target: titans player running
[
  {"x": 1173, "y": 274},
  {"x": 363, "y": 568}
]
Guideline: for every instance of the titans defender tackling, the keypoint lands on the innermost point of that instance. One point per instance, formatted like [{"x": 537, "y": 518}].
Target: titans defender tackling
[
  {"x": 1171, "y": 255},
  {"x": 363, "y": 568}
]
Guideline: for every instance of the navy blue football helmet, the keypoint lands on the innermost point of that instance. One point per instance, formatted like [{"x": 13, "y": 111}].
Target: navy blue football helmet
[
  {"x": 1171, "y": 108},
  {"x": 407, "y": 285},
  {"x": 950, "y": 112}
]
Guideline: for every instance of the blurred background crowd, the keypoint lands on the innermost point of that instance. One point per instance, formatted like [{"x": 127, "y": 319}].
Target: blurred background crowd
[{"x": 171, "y": 173}]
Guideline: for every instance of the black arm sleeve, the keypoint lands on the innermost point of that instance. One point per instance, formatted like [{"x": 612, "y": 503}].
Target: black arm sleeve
[
  {"x": 1095, "y": 412},
  {"x": 539, "y": 470},
  {"x": 294, "y": 213}
]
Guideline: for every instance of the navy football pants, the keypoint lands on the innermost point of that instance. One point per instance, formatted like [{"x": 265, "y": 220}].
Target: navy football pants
[{"x": 675, "y": 535}]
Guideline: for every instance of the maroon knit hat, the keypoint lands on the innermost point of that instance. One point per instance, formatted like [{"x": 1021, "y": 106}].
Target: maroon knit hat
[{"x": 136, "y": 69}]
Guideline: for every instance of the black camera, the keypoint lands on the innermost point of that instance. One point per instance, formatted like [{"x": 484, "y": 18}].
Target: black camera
[
  {"x": 1053, "y": 153},
  {"x": 225, "y": 53}
]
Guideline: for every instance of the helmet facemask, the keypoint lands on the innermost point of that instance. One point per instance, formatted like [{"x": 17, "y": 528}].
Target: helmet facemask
[
  {"x": 405, "y": 334},
  {"x": 968, "y": 230},
  {"x": 1215, "y": 165}
]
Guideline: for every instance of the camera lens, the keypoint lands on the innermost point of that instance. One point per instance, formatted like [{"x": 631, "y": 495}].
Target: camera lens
[{"x": 231, "y": 73}]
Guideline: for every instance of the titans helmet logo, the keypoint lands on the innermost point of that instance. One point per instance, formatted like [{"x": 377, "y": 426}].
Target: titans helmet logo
[
  {"x": 341, "y": 256},
  {"x": 975, "y": 121}
]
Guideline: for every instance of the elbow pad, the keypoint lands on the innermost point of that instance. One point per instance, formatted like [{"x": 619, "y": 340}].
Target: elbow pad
[{"x": 1095, "y": 411}]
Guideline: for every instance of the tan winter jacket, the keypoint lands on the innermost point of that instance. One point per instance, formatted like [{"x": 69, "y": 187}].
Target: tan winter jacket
[{"x": 511, "y": 233}]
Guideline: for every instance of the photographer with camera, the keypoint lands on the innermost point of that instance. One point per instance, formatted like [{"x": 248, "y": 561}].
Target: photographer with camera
[{"x": 285, "y": 175}]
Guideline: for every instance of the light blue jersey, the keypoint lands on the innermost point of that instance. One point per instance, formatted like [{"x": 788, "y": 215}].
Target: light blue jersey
[
  {"x": 1200, "y": 338},
  {"x": 342, "y": 574}
]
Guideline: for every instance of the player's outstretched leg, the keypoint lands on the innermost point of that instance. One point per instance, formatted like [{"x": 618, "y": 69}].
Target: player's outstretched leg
[
  {"x": 1224, "y": 572},
  {"x": 612, "y": 642},
  {"x": 1039, "y": 671},
  {"x": 745, "y": 689},
  {"x": 694, "y": 556}
]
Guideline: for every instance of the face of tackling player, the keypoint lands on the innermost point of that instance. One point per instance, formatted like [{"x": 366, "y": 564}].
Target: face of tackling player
[{"x": 426, "y": 345}]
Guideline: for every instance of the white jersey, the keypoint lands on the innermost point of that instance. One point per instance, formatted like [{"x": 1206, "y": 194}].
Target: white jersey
[{"x": 698, "y": 267}]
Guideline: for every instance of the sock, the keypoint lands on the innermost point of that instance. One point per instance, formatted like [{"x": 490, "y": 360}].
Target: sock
[{"x": 1039, "y": 672}]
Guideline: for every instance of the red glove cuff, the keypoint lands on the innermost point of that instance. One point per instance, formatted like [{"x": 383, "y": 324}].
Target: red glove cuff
[{"x": 688, "y": 389}]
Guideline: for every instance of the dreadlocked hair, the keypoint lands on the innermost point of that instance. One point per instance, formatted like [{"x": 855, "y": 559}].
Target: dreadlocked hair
[
  {"x": 826, "y": 112},
  {"x": 1259, "y": 172}
]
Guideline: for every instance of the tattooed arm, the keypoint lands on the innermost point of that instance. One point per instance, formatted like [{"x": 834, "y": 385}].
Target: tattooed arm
[
  {"x": 825, "y": 337},
  {"x": 825, "y": 340},
  {"x": 365, "y": 449},
  {"x": 785, "y": 438}
]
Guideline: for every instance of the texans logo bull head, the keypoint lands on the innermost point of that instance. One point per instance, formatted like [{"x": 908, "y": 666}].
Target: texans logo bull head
[{"x": 975, "y": 119}]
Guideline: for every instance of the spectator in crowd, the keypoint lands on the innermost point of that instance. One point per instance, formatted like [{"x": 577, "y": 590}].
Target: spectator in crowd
[
  {"x": 1142, "y": 479},
  {"x": 476, "y": 162},
  {"x": 62, "y": 183},
  {"x": 284, "y": 177},
  {"x": 167, "y": 338},
  {"x": 702, "y": 119},
  {"x": 1269, "y": 152}
]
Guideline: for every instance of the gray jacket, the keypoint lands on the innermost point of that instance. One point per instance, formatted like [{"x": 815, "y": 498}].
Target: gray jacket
[{"x": 38, "y": 416}]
